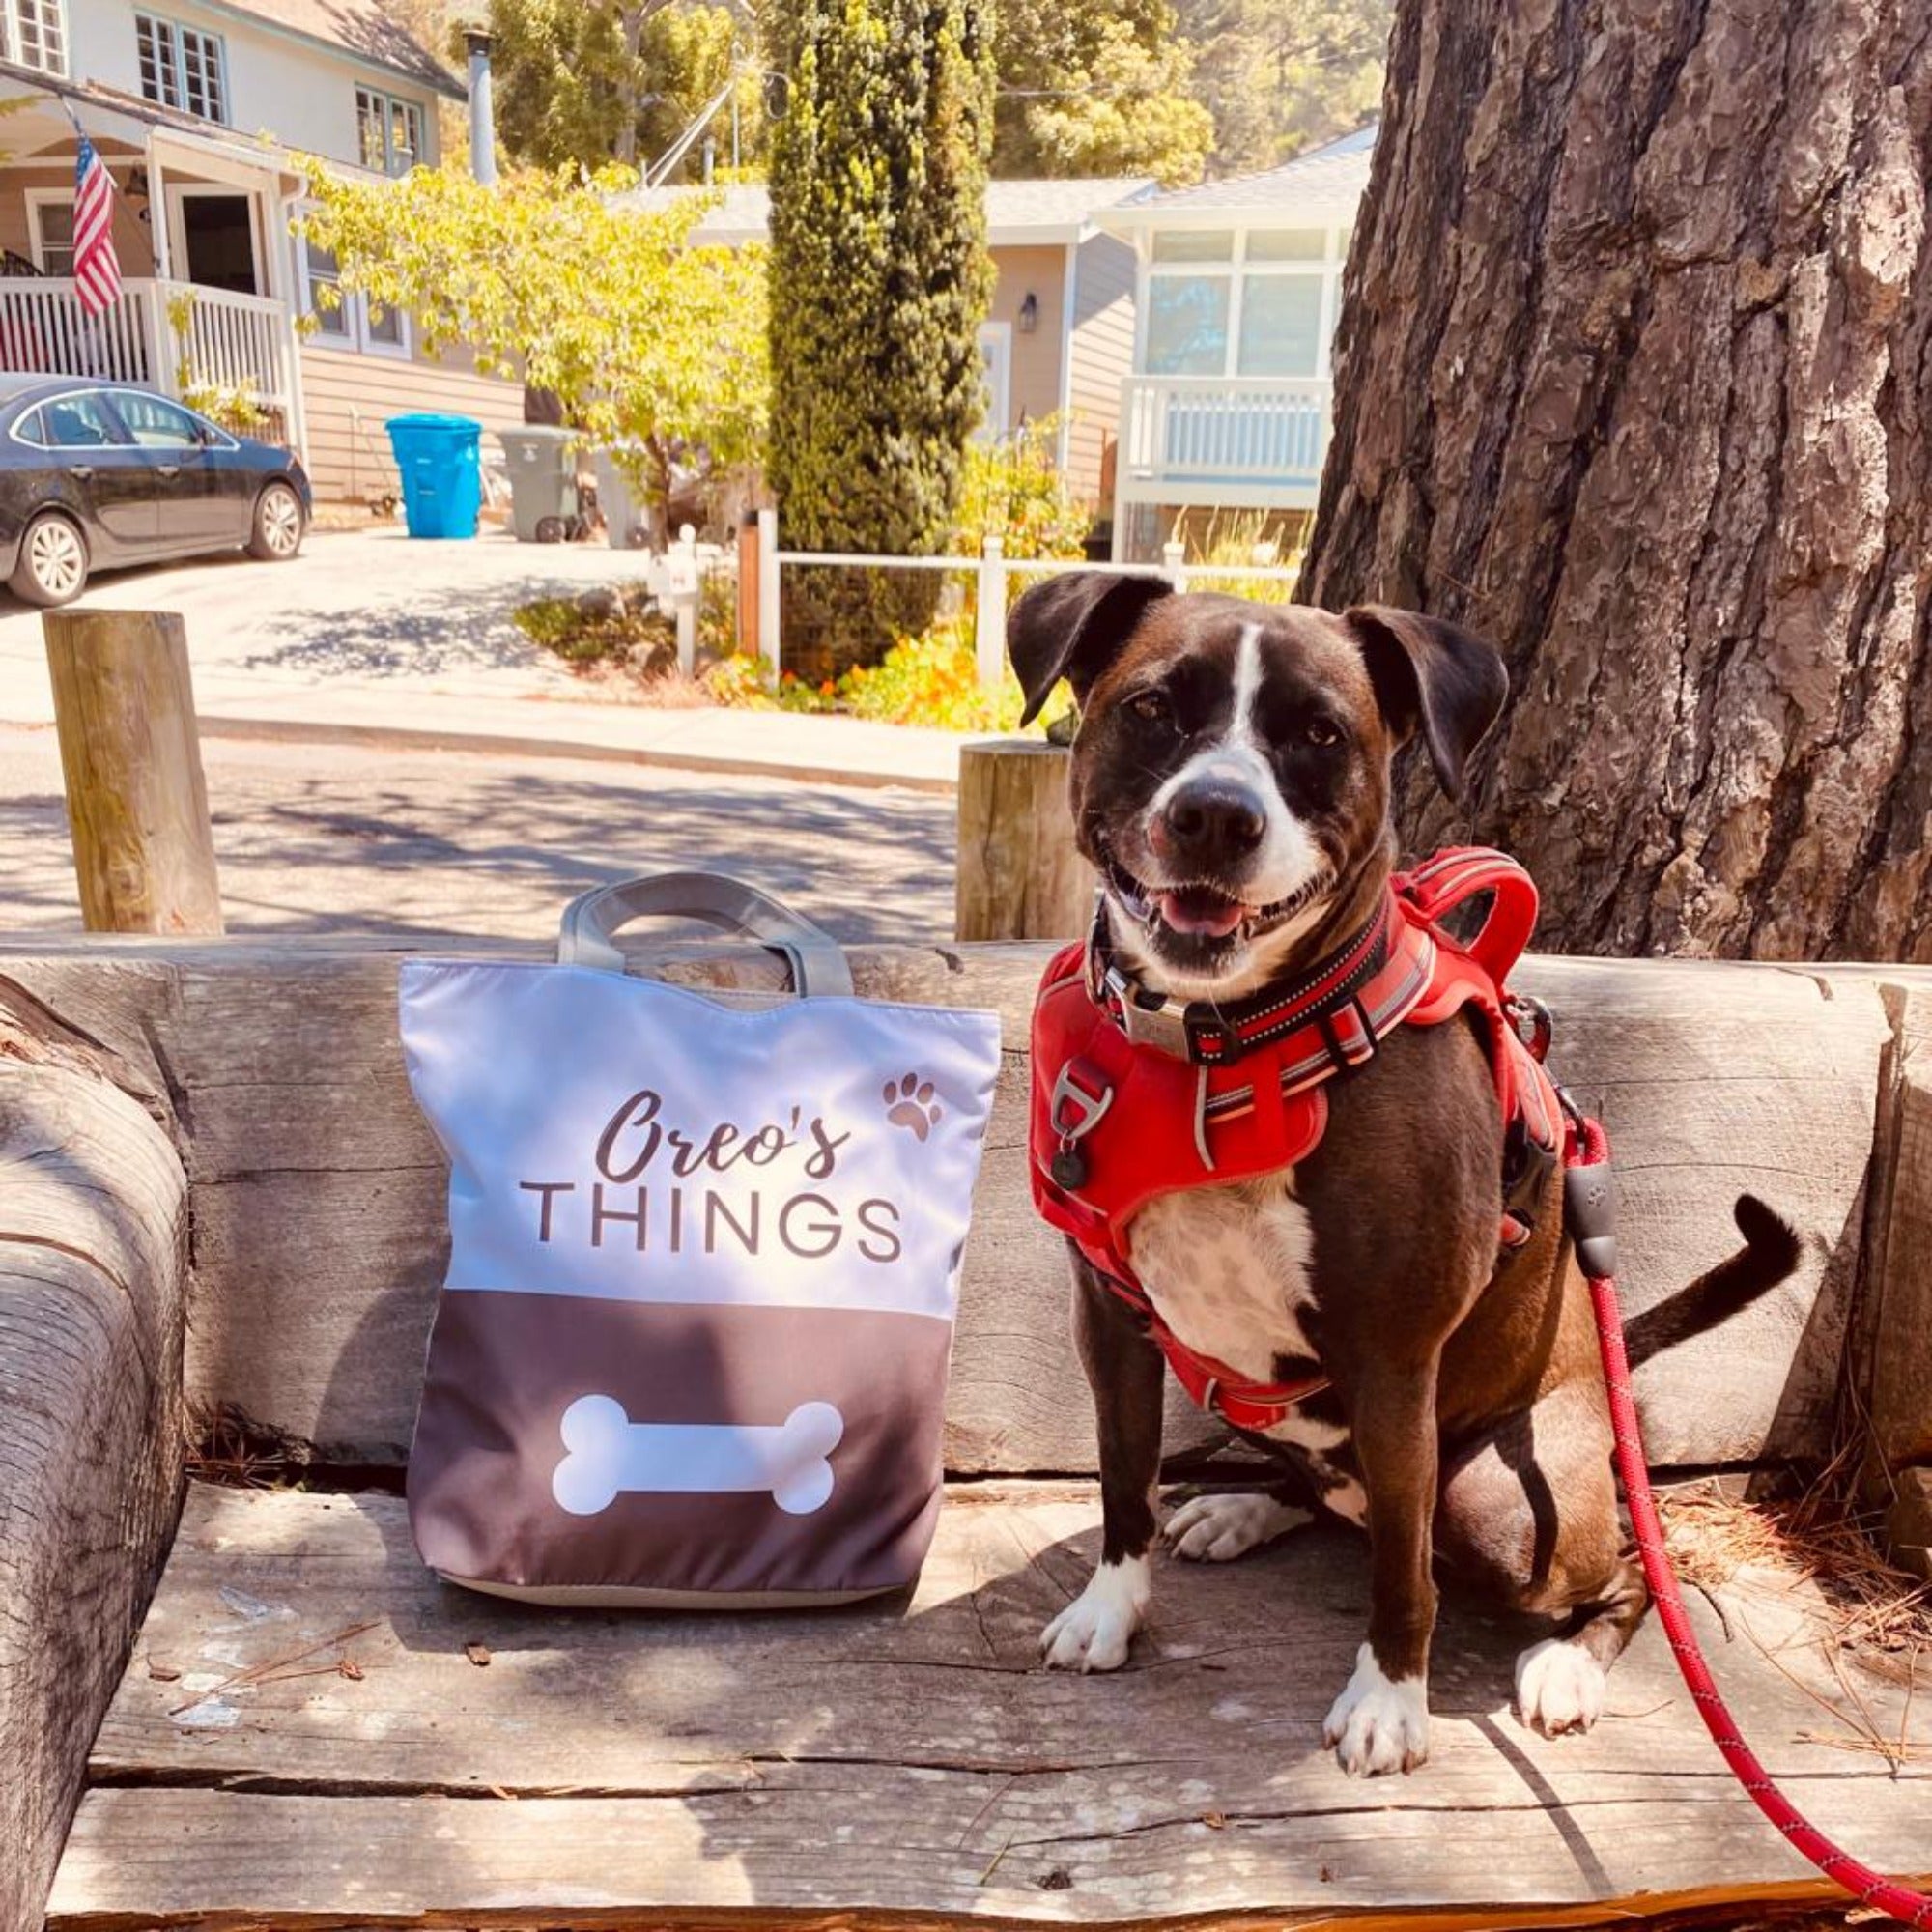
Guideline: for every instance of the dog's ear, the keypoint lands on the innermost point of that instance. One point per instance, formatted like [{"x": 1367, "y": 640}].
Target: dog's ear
[
  {"x": 1435, "y": 676},
  {"x": 1072, "y": 626}
]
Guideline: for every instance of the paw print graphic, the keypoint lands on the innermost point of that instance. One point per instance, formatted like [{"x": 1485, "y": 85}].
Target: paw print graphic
[{"x": 909, "y": 1104}]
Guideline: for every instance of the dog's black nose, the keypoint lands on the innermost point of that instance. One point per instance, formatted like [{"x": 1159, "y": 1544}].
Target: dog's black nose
[{"x": 1211, "y": 819}]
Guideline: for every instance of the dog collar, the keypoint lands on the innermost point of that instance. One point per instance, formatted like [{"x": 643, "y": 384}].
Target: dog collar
[{"x": 1214, "y": 1033}]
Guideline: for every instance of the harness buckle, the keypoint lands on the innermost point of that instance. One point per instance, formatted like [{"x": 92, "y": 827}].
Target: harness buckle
[
  {"x": 1073, "y": 1110},
  {"x": 1531, "y": 1022}
]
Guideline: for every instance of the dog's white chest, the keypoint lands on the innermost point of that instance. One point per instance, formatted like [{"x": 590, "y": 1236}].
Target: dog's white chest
[{"x": 1229, "y": 1268}]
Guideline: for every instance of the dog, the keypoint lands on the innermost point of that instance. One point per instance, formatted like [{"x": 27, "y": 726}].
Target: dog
[{"x": 1230, "y": 784}]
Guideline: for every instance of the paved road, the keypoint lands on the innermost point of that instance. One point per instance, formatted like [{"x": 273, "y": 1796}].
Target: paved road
[{"x": 318, "y": 839}]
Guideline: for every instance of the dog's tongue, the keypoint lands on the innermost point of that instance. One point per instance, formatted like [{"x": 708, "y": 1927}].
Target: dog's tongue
[{"x": 1201, "y": 909}]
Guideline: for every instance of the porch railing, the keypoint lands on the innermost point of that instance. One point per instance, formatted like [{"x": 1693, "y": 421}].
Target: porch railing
[
  {"x": 232, "y": 342},
  {"x": 1224, "y": 428}
]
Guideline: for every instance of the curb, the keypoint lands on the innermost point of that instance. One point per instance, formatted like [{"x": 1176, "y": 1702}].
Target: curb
[{"x": 401, "y": 738}]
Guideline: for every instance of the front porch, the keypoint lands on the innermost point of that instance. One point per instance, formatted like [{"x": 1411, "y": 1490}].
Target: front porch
[
  {"x": 209, "y": 289},
  {"x": 191, "y": 341},
  {"x": 1215, "y": 442}
]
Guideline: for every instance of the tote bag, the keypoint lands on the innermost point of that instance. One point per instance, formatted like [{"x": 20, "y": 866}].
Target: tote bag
[{"x": 705, "y": 1261}]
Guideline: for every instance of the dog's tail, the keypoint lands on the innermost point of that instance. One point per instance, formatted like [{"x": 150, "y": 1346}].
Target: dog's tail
[{"x": 1769, "y": 1255}]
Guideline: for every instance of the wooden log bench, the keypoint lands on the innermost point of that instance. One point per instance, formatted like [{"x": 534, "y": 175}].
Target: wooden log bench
[{"x": 305, "y": 1729}]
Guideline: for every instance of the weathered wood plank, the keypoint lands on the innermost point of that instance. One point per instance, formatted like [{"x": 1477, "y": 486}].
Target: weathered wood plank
[
  {"x": 898, "y": 1757},
  {"x": 93, "y": 1281},
  {"x": 318, "y": 1190}
]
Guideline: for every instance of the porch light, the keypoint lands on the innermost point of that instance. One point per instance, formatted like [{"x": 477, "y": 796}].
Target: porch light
[{"x": 1029, "y": 319}]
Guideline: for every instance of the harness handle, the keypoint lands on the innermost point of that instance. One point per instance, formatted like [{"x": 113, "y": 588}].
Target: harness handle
[{"x": 1440, "y": 884}]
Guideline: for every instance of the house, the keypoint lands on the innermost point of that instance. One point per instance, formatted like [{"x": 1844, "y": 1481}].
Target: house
[
  {"x": 1059, "y": 338},
  {"x": 1237, "y": 287},
  {"x": 177, "y": 96}
]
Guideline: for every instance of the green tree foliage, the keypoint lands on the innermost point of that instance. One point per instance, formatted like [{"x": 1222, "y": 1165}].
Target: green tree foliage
[
  {"x": 1090, "y": 88},
  {"x": 1281, "y": 75},
  {"x": 646, "y": 340},
  {"x": 881, "y": 280},
  {"x": 590, "y": 81}
]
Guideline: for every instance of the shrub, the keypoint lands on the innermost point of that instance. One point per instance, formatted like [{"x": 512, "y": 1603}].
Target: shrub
[
  {"x": 1012, "y": 489},
  {"x": 879, "y": 279}
]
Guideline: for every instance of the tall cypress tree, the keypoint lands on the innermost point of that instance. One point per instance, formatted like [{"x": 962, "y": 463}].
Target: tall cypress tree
[{"x": 879, "y": 282}]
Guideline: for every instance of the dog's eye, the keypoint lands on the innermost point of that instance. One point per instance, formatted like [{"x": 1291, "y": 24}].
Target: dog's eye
[
  {"x": 1320, "y": 731},
  {"x": 1151, "y": 708}
]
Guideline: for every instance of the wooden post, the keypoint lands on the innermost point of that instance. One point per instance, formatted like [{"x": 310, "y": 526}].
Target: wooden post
[
  {"x": 989, "y": 618},
  {"x": 1018, "y": 876},
  {"x": 770, "y": 634},
  {"x": 748, "y": 587},
  {"x": 123, "y": 708}
]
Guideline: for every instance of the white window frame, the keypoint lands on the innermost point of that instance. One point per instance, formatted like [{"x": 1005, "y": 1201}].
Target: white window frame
[
  {"x": 996, "y": 343},
  {"x": 355, "y": 339},
  {"x": 50, "y": 25},
  {"x": 389, "y": 103},
  {"x": 1238, "y": 268},
  {"x": 175, "y": 85},
  {"x": 39, "y": 198}
]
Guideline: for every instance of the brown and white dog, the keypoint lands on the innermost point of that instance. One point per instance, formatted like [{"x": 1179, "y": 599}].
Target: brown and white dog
[{"x": 1231, "y": 787}]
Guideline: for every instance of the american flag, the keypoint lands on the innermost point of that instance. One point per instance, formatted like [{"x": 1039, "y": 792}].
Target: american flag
[{"x": 97, "y": 268}]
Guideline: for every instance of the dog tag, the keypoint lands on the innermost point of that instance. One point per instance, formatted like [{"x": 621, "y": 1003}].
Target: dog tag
[{"x": 1068, "y": 1168}]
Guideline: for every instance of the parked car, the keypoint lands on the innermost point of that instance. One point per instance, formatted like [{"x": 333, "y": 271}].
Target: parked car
[{"x": 95, "y": 475}]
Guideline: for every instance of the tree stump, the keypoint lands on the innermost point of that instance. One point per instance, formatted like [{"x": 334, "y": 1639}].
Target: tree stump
[
  {"x": 1020, "y": 875},
  {"x": 123, "y": 708}
]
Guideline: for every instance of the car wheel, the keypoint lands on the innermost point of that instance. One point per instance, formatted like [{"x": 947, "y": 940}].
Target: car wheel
[
  {"x": 53, "y": 561},
  {"x": 278, "y": 525}
]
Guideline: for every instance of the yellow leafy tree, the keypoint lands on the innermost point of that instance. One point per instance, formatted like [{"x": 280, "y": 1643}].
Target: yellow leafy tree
[{"x": 652, "y": 345}]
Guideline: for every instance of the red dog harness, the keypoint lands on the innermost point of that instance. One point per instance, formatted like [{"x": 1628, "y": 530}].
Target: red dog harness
[{"x": 1135, "y": 1095}]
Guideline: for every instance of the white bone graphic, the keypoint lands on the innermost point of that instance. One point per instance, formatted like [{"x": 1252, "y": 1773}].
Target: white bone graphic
[{"x": 609, "y": 1455}]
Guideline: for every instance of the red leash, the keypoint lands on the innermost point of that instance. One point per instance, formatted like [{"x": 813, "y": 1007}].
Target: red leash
[{"x": 1589, "y": 1196}]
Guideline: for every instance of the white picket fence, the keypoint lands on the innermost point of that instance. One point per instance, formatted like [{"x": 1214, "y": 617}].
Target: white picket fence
[{"x": 992, "y": 571}]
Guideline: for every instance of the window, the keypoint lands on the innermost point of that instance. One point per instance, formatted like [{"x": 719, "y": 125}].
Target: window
[
  {"x": 1255, "y": 303},
  {"x": 1281, "y": 325},
  {"x": 80, "y": 421},
  {"x": 181, "y": 67},
  {"x": 390, "y": 132},
  {"x": 347, "y": 321},
  {"x": 156, "y": 424},
  {"x": 50, "y": 229},
  {"x": 34, "y": 33},
  {"x": 1187, "y": 324}
]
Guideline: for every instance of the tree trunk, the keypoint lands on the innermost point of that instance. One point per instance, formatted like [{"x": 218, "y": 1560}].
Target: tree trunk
[{"x": 1634, "y": 376}]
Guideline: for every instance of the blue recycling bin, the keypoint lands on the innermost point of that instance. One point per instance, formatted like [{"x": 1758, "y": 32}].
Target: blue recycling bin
[{"x": 441, "y": 460}]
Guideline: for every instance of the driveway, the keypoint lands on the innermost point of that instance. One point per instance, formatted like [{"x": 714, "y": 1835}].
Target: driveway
[
  {"x": 368, "y": 637},
  {"x": 356, "y": 607}
]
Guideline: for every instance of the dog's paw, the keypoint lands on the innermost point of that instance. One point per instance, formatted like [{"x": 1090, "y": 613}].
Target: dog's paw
[
  {"x": 1377, "y": 1725},
  {"x": 1216, "y": 1529},
  {"x": 1559, "y": 1687},
  {"x": 1095, "y": 1631}
]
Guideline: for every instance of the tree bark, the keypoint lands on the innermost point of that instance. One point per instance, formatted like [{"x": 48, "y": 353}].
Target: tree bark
[{"x": 1634, "y": 376}]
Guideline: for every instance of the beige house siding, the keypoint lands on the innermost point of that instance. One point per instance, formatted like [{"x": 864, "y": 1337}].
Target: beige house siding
[
  {"x": 133, "y": 238},
  {"x": 1040, "y": 272},
  {"x": 349, "y": 397},
  {"x": 1101, "y": 357}
]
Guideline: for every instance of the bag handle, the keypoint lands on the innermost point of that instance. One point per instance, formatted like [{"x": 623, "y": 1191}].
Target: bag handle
[{"x": 591, "y": 919}]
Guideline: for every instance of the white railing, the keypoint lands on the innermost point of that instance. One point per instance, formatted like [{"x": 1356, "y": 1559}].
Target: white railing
[
  {"x": 991, "y": 571},
  {"x": 235, "y": 341},
  {"x": 230, "y": 341},
  {"x": 43, "y": 330},
  {"x": 1224, "y": 428}
]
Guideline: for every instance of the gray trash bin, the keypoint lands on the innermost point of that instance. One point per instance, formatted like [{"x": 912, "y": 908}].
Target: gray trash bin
[
  {"x": 542, "y": 462},
  {"x": 623, "y": 515}
]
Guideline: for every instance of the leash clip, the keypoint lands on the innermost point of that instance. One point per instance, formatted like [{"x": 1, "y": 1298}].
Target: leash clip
[{"x": 1531, "y": 1022}]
